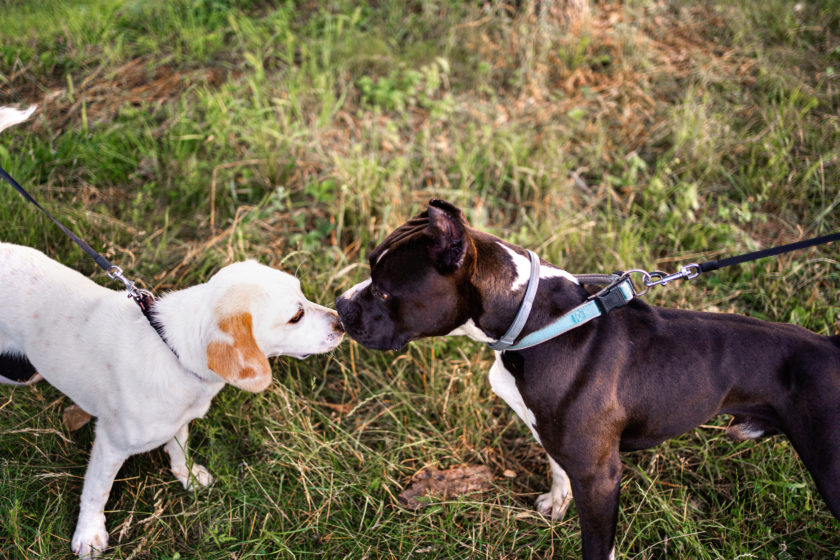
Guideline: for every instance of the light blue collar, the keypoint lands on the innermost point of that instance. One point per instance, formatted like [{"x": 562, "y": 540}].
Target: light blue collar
[{"x": 619, "y": 293}]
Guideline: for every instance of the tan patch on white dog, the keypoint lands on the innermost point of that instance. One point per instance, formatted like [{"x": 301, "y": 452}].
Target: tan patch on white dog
[{"x": 240, "y": 363}]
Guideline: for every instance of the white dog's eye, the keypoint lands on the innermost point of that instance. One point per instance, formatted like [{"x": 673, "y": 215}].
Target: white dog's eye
[{"x": 298, "y": 316}]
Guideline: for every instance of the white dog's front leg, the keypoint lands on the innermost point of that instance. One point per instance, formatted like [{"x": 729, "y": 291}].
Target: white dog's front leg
[
  {"x": 186, "y": 475},
  {"x": 555, "y": 503},
  {"x": 91, "y": 537}
]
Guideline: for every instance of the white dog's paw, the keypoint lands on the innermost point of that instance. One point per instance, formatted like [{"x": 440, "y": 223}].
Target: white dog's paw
[
  {"x": 90, "y": 539},
  {"x": 199, "y": 477},
  {"x": 554, "y": 504}
]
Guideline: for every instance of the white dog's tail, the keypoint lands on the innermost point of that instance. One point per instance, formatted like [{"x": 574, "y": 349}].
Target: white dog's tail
[
  {"x": 15, "y": 369},
  {"x": 9, "y": 116}
]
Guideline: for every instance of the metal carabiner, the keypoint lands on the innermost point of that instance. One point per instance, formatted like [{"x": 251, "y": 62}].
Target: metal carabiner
[
  {"x": 646, "y": 279},
  {"x": 139, "y": 295},
  {"x": 687, "y": 272},
  {"x": 659, "y": 278}
]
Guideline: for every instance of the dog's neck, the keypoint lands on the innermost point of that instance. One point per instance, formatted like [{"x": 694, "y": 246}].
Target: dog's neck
[
  {"x": 499, "y": 280},
  {"x": 184, "y": 321}
]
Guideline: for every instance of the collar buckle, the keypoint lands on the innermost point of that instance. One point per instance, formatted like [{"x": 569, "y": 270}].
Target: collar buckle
[{"x": 618, "y": 294}]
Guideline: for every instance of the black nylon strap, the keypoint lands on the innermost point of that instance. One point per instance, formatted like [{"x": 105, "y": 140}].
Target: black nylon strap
[
  {"x": 714, "y": 265},
  {"x": 100, "y": 260},
  {"x": 144, "y": 299}
]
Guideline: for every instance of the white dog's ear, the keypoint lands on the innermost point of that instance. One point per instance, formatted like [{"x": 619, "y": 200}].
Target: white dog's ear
[{"x": 240, "y": 363}]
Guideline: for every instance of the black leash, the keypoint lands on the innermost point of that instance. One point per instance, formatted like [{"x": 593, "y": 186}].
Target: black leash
[
  {"x": 755, "y": 255},
  {"x": 100, "y": 260},
  {"x": 143, "y": 298},
  {"x": 693, "y": 270}
]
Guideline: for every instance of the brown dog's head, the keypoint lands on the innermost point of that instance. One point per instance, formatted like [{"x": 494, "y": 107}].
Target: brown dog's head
[{"x": 419, "y": 282}]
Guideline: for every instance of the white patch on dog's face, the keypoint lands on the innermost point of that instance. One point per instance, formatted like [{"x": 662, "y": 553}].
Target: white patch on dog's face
[
  {"x": 504, "y": 385},
  {"x": 356, "y": 289},
  {"x": 522, "y": 265},
  {"x": 471, "y": 330}
]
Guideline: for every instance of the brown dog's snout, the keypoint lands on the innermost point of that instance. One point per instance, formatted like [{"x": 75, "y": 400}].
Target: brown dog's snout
[{"x": 348, "y": 312}]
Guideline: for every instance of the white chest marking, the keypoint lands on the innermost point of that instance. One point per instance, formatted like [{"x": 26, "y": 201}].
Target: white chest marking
[
  {"x": 504, "y": 385},
  {"x": 522, "y": 264},
  {"x": 471, "y": 330}
]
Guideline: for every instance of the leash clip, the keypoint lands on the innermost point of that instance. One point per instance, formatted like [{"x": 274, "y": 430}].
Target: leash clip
[
  {"x": 143, "y": 298},
  {"x": 659, "y": 278}
]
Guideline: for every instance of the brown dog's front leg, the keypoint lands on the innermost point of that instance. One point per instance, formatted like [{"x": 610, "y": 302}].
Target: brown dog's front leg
[{"x": 596, "y": 495}]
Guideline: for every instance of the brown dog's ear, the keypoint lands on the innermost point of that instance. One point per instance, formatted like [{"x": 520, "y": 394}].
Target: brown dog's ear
[
  {"x": 447, "y": 231},
  {"x": 240, "y": 363}
]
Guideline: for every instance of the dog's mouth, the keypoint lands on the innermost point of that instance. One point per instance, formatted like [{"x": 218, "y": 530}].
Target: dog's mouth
[
  {"x": 381, "y": 345},
  {"x": 357, "y": 326},
  {"x": 326, "y": 346}
]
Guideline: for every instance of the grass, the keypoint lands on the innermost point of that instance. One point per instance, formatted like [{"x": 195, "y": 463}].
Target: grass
[{"x": 178, "y": 136}]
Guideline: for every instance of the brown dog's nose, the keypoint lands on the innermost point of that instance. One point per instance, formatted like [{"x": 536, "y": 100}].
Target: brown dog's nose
[{"x": 348, "y": 312}]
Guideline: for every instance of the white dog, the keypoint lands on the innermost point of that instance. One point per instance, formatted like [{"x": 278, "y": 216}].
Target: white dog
[{"x": 95, "y": 345}]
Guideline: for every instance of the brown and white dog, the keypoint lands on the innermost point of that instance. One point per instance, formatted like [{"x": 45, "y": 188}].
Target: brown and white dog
[
  {"x": 95, "y": 345},
  {"x": 627, "y": 380}
]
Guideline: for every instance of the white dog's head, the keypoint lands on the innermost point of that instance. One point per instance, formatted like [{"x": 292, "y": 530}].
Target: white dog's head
[{"x": 248, "y": 313}]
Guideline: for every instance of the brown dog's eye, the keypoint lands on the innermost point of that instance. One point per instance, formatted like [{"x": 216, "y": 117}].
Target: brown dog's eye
[
  {"x": 298, "y": 316},
  {"x": 378, "y": 294}
]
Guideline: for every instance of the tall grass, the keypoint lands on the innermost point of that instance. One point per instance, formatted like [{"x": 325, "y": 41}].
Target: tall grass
[{"x": 179, "y": 136}]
